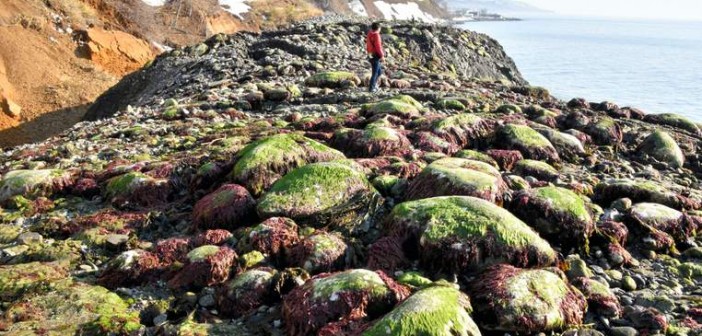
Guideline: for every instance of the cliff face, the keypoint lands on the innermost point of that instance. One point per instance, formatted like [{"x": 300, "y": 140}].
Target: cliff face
[{"x": 292, "y": 54}]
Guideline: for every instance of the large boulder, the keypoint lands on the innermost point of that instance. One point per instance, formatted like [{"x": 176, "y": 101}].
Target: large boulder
[
  {"x": 264, "y": 161},
  {"x": 605, "y": 131},
  {"x": 674, "y": 120},
  {"x": 273, "y": 237},
  {"x": 457, "y": 234},
  {"x": 463, "y": 129},
  {"x": 401, "y": 106},
  {"x": 538, "y": 169},
  {"x": 348, "y": 296},
  {"x": 246, "y": 292},
  {"x": 320, "y": 252},
  {"x": 663, "y": 225},
  {"x": 568, "y": 146},
  {"x": 558, "y": 214},
  {"x": 528, "y": 141},
  {"x": 118, "y": 52},
  {"x": 455, "y": 176},
  {"x": 600, "y": 298},
  {"x": 510, "y": 299},
  {"x": 207, "y": 265},
  {"x": 333, "y": 79},
  {"x": 138, "y": 188},
  {"x": 640, "y": 191},
  {"x": 322, "y": 194},
  {"x": 436, "y": 310},
  {"x": 370, "y": 142},
  {"x": 662, "y": 147}
]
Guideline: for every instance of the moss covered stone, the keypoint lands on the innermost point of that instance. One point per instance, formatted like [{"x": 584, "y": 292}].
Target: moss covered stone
[
  {"x": 264, "y": 161},
  {"x": 333, "y": 79},
  {"x": 32, "y": 183},
  {"x": 78, "y": 309},
  {"x": 558, "y": 214},
  {"x": 321, "y": 194},
  {"x": 568, "y": 146},
  {"x": 413, "y": 279},
  {"x": 478, "y": 156},
  {"x": 528, "y": 141},
  {"x": 509, "y": 109},
  {"x": 599, "y": 297},
  {"x": 450, "y": 104},
  {"x": 137, "y": 188},
  {"x": 640, "y": 191},
  {"x": 17, "y": 280},
  {"x": 8, "y": 233},
  {"x": 455, "y": 176},
  {"x": 437, "y": 310},
  {"x": 370, "y": 142},
  {"x": 462, "y": 129},
  {"x": 401, "y": 106},
  {"x": 541, "y": 170},
  {"x": 605, "y": 131},
  {"x": 247, "y": 291},
  {"x": 351, "y": 295},
  {"x": 660, "y": 221},
  {"x": 320, "y": 252},
  {"x": 456, "y": 234},
  {"x": 526, "y": 301},
  {"x": 661, "y": 146},
  {"x": 674, "y": 120}
]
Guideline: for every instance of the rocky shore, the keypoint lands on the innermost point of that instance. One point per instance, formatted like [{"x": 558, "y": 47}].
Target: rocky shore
[{"x": 250, "y": 186}]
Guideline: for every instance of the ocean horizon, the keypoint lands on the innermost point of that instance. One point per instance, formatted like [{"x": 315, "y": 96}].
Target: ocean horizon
[{"x": 650, "y": 64}]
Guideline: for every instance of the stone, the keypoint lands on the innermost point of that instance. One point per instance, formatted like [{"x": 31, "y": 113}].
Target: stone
[
  {"x": 10, "y": 108},
  {"x": 29, "y": 238},
  {"x": 661, "y": 146},
  {"x": 628, "y": 283},
  {"x": 623, "y": 331},
  {"x": 528, "y": 141}
]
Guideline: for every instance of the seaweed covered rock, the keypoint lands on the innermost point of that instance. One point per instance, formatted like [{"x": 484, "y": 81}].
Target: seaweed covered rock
[
  {"x": 528, "y": 141},
  {"x": 73, "y": 309},
  {"x": 138, "y": 188},
  {"x": 323, "y": 194},
  {"x": 264, "y": 161},
  {"x": 130, "y": 268},
  {"x": 320, "y": 252},
  {"x": 662, "y": 223},
  {"x": 477, "y": 156},
  {"x": 229, "y": 207},
  {"x": 246, "y": 292},
  {"x": 345, "y": 297},
  {"x": 20, "y": 279},
  {"x": 401, "y": 106},
  {"x": 463, "y": 129},
  {"x": 600, "y": 298},
  {"x": 640, "y": 191},
  {"x": 333, "y": 79},
  {"x": 673, "y": 120},
  {"x": 33, "y": 183},
  {"x": 605, "y": 132},
  {"x": 538, "y": 169},
  {"x": 505, "y": 158},
  {"x": 455, "y": 176},
  {"x": 510, "y": 299},
  {"x": 371, "y": 142},
  {"x": 568, "y": 146},
  {"x": 436, "y": 310},
  {"x": 273, "y": 237},
  {"x": 457, "y": 234},
  {"x": 207, "y": 265},
  {"x": 558, "y": 214},
  {"x": 662, "y": 147}
]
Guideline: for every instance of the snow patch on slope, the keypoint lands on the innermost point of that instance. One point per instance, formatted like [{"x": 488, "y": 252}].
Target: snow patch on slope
[
  {"x": 154, "y": 3},
  {"x": 403, "y": 11},
  {"x": 358, "y": 7},
  {"x": 236, "y": 7}
]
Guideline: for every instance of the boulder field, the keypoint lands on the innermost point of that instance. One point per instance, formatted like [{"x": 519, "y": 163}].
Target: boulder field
[{"x": 249, "y": 185}]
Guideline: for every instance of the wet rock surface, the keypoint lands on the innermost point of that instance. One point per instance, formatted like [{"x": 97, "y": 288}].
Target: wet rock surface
[{"x": 254, "y": 187}]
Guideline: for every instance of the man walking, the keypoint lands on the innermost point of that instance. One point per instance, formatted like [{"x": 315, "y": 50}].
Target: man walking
[{"x": 374, "y": 46}]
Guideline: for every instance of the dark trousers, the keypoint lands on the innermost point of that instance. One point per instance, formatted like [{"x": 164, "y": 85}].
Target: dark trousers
[{"x": 376, "y": 69}]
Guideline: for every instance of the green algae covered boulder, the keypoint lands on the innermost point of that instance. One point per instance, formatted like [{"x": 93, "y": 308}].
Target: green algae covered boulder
[
  {"x": 352, "y": 295},
  {"x": 450, "y": 104},
  {"x": 401, "y": 106},
  {"x": 509, "y": 109},
  {"x": 528, "y": 141},
  {"x": 539, "y": 169},
  {"x": 457, "y": 234},
  {"x": 20, "y": 279},
  {"x": 605, "y": 131},
  {"x": 370, "y": 142},
  {"x": 463, "y": 129},
  {"x": 229, "y": 207},
  {"x": 510, "y": 299},
  {"x": 674, "y": 120},
  {"x": 662, "y": 147},
  {"x": 264, "y": 161},
  {"x": 455, "y": 176},
  {"x": 599, "y": 297},
  {"x": 558, "y": 214},
  {"x": 641, "y": 191},
  {"x": 664, "y": 225},
  {"x": 478, "y": 156},
  {"x": 320, "y": 252},
  {"x": 568, "y": 146},
  {"x": 322, "y": 194},
  {"x": 333, "y": 79},
  {"x": 138, "y": 188},
  {"x": 436, "y": 310},
  {"x": 32, "y": 183},
  {"x": 74, "y": 309},
  {"x": 246, "y": 292}
]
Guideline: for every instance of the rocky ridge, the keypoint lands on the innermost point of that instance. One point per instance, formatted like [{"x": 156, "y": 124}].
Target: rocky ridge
[{"x": 249, "y": 185}]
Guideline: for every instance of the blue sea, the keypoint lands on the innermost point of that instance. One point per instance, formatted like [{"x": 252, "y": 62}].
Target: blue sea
[{"x": 652, "y": 65}]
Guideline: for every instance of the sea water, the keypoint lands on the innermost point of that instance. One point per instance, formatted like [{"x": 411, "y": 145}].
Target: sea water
[{"x": 652, "y": 65}]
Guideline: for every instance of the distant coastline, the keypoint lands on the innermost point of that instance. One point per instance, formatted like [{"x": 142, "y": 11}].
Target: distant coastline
[{"x": 467, "y": 15}]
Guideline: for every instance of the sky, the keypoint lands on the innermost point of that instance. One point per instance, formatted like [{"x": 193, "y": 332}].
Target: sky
[{"x": 659, "y": 9}]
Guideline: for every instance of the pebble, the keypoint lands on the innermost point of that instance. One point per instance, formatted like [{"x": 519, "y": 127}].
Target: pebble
[
  {"x": 628, "y": 283},
  {"x": 158, "y": 320},
  {"x": 207, "y": 301}
]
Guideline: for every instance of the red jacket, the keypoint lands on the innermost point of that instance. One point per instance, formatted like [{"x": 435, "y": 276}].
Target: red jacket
[{"x": 373, "y": 44}]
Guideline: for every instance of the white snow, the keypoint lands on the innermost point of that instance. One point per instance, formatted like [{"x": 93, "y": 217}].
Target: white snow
[
  {"x": 236, "y": 7},
  {"x": 358, "y": 7},
  {"x": 154, "y": 3},
  {"x": 403, "y": 11}
]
